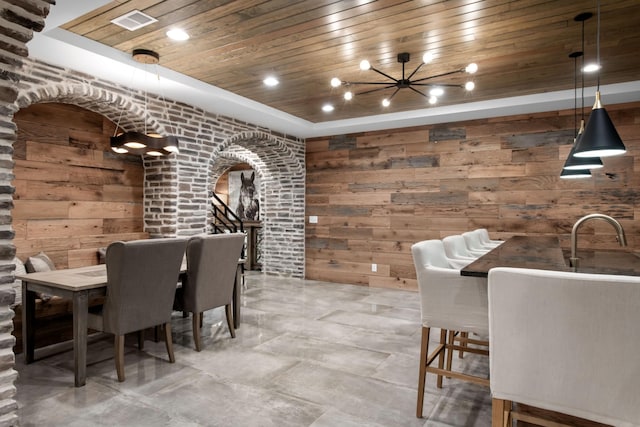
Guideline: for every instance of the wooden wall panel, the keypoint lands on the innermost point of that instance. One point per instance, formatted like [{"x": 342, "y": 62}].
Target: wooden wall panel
[
  {"x": 72, "y": 194},
  {"x": 377, "y": 193}
]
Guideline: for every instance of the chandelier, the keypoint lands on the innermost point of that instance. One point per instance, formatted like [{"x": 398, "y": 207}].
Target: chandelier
[
  {"x": 407, "y": 81},
  {"x": 143, "y": 143}
]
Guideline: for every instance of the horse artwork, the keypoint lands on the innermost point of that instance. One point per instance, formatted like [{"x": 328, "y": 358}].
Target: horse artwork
[{"x": 248, "y": 205}]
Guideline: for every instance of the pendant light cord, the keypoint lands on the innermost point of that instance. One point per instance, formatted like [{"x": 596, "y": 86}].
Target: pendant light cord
[
  {"x": 582, "y": 75},
  {"x": 575, "y": 96},
  {"x": 598, "y": 45}
]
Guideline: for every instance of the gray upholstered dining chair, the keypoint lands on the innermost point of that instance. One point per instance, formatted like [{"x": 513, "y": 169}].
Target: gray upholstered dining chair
[
  {"x": 212, "y": 261},
  {"x": 141, "y": 284}
]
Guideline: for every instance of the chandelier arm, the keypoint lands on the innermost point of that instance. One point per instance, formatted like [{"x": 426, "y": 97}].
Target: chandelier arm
[
  {"x": 369, "y": 83},
  {"x": 436, "y": 84},
  {"x": 415, "y": 71},
  {"x": 375, "y": 90},
  {"x": 384, "y": 74},
  {"x": 417, "y": 91},
  {"x": 461, "y": 70},
  {"x": 394, "y": 94}
]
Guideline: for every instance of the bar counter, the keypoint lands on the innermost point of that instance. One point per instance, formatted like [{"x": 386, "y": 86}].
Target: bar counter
[{"x": 545, "y": 253}]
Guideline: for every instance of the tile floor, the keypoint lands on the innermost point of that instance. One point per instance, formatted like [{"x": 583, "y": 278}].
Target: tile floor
[{"x": 307, "y": 353}]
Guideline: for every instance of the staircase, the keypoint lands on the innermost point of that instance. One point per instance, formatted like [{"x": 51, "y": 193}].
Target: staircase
[{"x": 225, "y": 220}]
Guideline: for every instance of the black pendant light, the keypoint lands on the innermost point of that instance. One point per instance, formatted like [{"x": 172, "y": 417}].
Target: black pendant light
[
  {"x": 572, "y": 162},
  {"x": 600, "y": 137},
  {"x": 575, "y": 174},
  {"x": 143, "y": 143}
]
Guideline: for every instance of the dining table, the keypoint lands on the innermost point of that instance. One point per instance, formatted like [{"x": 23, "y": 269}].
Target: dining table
[
  {"x": 80, "y": 285},
  {"x": 546, "y": 253}
]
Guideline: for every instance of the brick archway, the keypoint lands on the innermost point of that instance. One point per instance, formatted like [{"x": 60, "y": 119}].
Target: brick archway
[
  {"x": 282, "y": 196},
  {"x": 176, "y": 187}
]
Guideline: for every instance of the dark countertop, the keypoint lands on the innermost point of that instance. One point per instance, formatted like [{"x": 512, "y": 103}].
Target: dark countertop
[{"x": 544, "y": 253}]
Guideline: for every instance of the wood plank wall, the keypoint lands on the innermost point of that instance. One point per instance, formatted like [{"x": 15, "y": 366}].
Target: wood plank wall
[
  {"x": 377, "y": 193},
  {"x": 72, "y": 194}
]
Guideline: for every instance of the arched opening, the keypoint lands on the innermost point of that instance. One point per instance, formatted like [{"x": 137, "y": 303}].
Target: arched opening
[{"x": 281, "y": 196}]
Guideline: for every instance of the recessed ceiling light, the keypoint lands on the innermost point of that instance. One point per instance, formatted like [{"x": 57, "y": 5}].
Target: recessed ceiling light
[
  {"x": 327, "y": 108},
  {"x": 177, "y": 34},
  {"x": 591, "y": 68},
  {"x": 271, "y": 81}
]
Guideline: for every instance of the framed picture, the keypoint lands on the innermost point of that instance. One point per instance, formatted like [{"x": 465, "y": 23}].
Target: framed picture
[{"x": 244, "y": 194}]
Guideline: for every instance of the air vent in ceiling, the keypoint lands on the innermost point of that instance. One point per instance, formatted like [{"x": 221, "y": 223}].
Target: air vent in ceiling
[{"x": 134, "y": 20}]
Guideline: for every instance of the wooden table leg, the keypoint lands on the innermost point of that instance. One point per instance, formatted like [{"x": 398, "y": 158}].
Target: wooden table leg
[
  {"x": 80, "y": 315},
  {"x": 28, "y": 322}
]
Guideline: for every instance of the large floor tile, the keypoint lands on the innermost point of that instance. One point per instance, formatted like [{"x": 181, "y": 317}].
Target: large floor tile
[{"x": 307, "y": 353}]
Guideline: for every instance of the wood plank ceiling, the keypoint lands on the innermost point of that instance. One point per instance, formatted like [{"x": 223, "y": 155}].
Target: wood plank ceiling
[{"x": 521, "y": 47}]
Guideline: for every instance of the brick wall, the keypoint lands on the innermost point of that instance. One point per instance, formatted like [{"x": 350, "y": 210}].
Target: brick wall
[
  {"x": 18, "y": 20},
  {"x": 176, "y": 188}
]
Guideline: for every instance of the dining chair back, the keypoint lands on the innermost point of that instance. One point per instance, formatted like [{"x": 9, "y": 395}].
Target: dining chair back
[
  {"x": 212, "y": 263},
  {"x": 141, "y": 283},
  {"x": 565, "y": 342},
  {"x": 450, "y": 302}
]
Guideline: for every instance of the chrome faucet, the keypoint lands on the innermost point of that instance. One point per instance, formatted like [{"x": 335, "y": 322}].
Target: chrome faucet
[{"x": 573, "y": 261}]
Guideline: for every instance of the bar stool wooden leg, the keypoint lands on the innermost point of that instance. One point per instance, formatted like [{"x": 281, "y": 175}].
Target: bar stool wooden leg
[
  {"x": 424, "y": 352},
  {"x": 500, "y": 413},
  {"x": 452, "y": 337},
  {"x": 443, "y": 345},
  {"x": 463, "y": 343}
]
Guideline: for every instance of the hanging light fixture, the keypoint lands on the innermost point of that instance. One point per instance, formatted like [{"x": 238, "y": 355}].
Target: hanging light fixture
[
  {"x": 600, "y": 137},
  {"x": 133, "y": 142},
  {"x": 406, "y": 82},
  {"x": 572, "y": 162},
  {"x": 575, "y": 174}
]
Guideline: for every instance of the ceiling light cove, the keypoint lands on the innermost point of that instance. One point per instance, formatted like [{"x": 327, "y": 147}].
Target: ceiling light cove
[{"x": 416, "y": 85}]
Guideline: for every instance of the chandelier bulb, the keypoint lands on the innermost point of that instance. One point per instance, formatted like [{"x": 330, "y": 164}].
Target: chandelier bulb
[
  {"x": 436, "y": 91},
  {"x": 335, "y": 82},
  {"x": 348, "y": 95},
  {"x": 386, "y": 102},
  {"x": 469, "y": 86},
  {"x": 364, "y": 65},
  {"x": 427, "y": 57},
  {"x": 433, "y": 100},
  {"x": 471, "y": 68}
]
